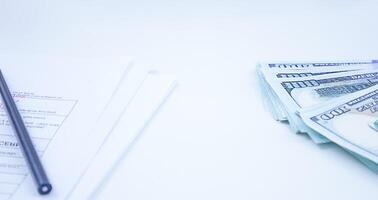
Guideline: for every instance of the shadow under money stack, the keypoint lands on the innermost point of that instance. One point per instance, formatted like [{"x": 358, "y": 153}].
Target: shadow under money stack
[{"x": 329, "y": 101}]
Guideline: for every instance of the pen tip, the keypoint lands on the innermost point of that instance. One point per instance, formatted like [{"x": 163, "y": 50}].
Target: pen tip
[{"x": 45, "y": 189}]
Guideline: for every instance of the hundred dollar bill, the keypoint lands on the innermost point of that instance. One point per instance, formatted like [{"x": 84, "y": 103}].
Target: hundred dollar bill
[
  {"x": 350, "y": 121},
  {"x": 293, "y": 70},
  {"x": 271, "y": 71},
  {"x": 299, "y": 93},
  {"x": 315, "y": 64},
  {"x": 271, "y": 98}
]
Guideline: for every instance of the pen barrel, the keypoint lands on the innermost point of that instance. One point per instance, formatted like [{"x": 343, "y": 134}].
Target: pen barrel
[{"x": 23, "y": 137}]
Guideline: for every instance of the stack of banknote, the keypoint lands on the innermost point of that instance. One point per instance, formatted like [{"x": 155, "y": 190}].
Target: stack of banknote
[{"x": 330, "y": 101}]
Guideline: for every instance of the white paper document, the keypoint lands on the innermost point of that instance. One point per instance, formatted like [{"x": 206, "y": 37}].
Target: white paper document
[
  {"x": 70, "y": 107},
  {"x": 67, "y": 97}
]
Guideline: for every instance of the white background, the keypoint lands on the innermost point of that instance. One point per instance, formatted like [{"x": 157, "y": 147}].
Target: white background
[{"x": 213, "y": 139}]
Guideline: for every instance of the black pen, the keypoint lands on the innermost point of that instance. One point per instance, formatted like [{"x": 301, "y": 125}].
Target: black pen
[{"x": 26, "y": 144}]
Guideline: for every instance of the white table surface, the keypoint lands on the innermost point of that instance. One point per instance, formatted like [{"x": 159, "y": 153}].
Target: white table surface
[{"x": 213, "y": 139}]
